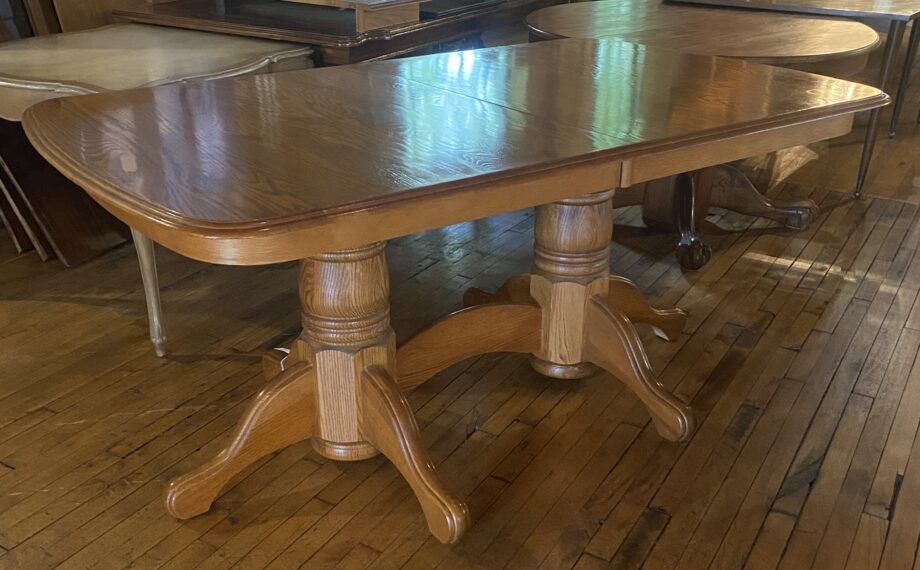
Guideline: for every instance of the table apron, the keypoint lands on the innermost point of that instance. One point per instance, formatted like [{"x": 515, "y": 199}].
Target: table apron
[{"x": 710, "y": 153}]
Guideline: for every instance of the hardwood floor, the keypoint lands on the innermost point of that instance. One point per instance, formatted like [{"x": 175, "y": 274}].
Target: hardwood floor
[{"x": 799, "y": 361}]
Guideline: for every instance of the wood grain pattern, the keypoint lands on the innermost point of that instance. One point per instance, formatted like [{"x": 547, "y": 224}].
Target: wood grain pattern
[
  {"x": 570, "y": 281},
  {"x": 335, "y": 388},
  {"x": 346, "y": 328},
  {"x": 39, "y": 68},
  {"x": 778, "y": 39},
  {"x": 556, "y": 474},
  {"x": 349, "y": 181},
  {"x": 516, "y": 289},
  {"x": 571, "y": 266},
  {"x": 623, "y": 295},
  {"x": 386, "y": 420},
  {"x": 282, "y": 414},
  {"x": 898, "y": 14},
  {"x": 904, "y": 10},
  {"x": 612, "y": 343},
  {"x": 467, "y": 333}
]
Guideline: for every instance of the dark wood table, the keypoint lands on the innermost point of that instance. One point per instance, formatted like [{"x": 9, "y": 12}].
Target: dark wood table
[
  {"x": 325, "y": 166},
  {"x": 332, "y": 32},
  {"x": 898, "y": 13},
  {"x": 826, "y": 45}
]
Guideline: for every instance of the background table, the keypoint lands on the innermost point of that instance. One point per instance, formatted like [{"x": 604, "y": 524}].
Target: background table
[
  {"x": 898, "y": 13},
  {"x": 402, "y": 146},
  {"x": 331, "y": 32},
  {"x": 829, "y": 46},
  {"x": 44, "y": 211},
  {"x": 771, "y": 38}
]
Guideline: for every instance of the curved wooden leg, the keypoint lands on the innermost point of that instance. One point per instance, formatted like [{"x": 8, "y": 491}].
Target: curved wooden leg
[
  {"x": 464, "y": 334},
  {"x": 514, "y": 290},
  {"x": 386, "y": 421},
  {"x": 146, "y": 257},
  {"x": 624, "y": 297},
  {"x": 282, "y": 414},
  {"x": 612, "y": 343},
  {"x": 732, "y": 190}
]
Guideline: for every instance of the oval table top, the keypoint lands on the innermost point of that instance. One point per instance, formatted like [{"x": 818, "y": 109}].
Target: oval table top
[
  {"x": 763, "y": 37},
  {"x": 126, "y": 56}
]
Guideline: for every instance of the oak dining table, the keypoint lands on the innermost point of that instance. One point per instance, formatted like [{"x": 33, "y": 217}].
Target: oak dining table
[
  {"x": 324, "y": 166},
  {"x": 829, "y": 46}
]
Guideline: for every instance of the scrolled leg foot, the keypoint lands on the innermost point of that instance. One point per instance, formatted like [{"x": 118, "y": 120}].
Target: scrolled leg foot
[
  {"x": 733, "y": 190},
  {"x": 625, "y": 297},
  {"x": 514, "y": 290},
  {"x": 612, "y": 343},
  {"x": 692, "y": 253},
  {"x": 281, "y": 415},
  {"x": 386, "y": 421}
]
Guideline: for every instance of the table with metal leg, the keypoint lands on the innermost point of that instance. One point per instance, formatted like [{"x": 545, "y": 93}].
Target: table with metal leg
[
  {"x": 45, "y": 211},
  {"x": 892, "y": 45},
  {"x": 898, "y": 13},
  {"x": 905, "y": 78}
]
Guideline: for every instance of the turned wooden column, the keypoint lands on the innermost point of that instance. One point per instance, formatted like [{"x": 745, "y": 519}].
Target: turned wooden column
[
  {"x": 337, "y": 388},
  {"x": 571, "y": 265},
  {"x": 346, "y": 328}
]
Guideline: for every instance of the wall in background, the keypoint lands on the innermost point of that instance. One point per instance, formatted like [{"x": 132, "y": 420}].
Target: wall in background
[{"x": 13, "y": 14}]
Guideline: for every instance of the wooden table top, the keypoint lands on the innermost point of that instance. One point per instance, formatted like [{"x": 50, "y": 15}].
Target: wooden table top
[
  {"x": 756, "y": 36},
  {"x": 881, "y": 9},
  {"x": 124, "y": 56},
  {"x": 356, "y": 154}
]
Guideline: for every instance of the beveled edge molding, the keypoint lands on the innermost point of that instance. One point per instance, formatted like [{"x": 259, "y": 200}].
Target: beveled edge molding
[{"x": 284, "y": 240}]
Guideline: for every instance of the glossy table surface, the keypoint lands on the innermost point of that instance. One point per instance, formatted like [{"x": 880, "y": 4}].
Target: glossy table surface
[
  {"x": 125, "y": 56},
  {"x": 261, "y": 155},
  {"x": 755, "y": 36},
  {"x": 883, "y": 9}
]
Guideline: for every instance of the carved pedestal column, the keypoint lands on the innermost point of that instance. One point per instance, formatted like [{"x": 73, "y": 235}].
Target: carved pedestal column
[
  {"x": 346, "y": 328},
  {"x": 571, "y": 265},
  {"x": 336, "y": 387},
  {"x": 586, "y": 315}
]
